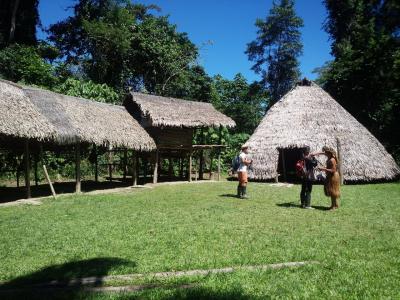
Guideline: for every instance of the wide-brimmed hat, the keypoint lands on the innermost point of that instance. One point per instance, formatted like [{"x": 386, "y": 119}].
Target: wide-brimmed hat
[{"x": 329, "y": 150}]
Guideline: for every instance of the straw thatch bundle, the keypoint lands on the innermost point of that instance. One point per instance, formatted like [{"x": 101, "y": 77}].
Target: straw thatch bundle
[
  {"x": 19, "y": 117},
  {"x": 308, "y": 116},
  {"x": 162, "y": 111},
  {"x": 81, "y": 120}
]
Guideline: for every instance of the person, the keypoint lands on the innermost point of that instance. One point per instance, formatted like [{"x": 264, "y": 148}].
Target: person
[
  {"x": 308, "y": 177},
  {"x": 244, "y": 163},
  {"x": 332, "y": 181}
]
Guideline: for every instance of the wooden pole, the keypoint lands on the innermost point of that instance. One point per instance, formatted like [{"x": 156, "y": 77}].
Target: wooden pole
[
  {"x": 283, "y": 165},
  {"x": 211, "y": 165},
  {"x": 181, "y": 168},
  {"x": 190, "y": 166},
  {"x": 340, "y": 166},
  {"x": 110, "y": 157},
  {"x": 134, "y": 169},
  {"x": 96, "y": 164},
  {"x": 201, "y": 159},
  {"x": 77, "y": 167},
  {"x": 18, "y": 169},
  {"x": 36, "y": 158},
  {"x": 155, "y": 171},
  {"x": 137, "y": 167},
  {"x": 219, "y": 153},
  {"x": 125, "y": 163},
  {"x": 27, "y": 169},
  {"x": 46, "y": 174},
  {"x": 145, "y": 163}
]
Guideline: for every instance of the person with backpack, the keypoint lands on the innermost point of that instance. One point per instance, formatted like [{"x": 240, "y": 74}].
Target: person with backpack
[
  {"x": 307, "y": 164},
  {"x": 242, "y": 168}
]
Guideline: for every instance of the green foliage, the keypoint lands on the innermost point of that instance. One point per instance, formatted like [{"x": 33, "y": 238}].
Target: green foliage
[
  {"x": 365, "y": 75},
  {"x": 245, "y": 103},
  {"x": 276, "y": 49},
  {"x": 88, "y": 90},
  {"x": 24, "y": 64},
  {"x": 123, "y": 45}
]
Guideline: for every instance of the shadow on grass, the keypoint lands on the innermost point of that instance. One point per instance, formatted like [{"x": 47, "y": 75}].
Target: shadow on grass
[
  {"x": 296, "y": 205},
  {"x": 229, "y": 196},
  {"x": 207, "y": 293},
  {"x": 50, "y": 282}
]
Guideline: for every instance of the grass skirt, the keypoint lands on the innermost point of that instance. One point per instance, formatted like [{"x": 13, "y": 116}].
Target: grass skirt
[{"x": 332, "y": 185}]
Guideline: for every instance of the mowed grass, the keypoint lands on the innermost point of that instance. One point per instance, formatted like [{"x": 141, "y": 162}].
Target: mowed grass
[{"x": 201, "y": 226}]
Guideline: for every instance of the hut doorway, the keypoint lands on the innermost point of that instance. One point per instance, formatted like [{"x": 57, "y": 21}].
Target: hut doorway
[{"x": 287, "y": 163}]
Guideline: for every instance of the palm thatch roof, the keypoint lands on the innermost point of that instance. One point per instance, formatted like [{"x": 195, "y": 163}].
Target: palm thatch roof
[
  {"x": 160, "y": 111},
  {"x": 82, "y": 120},
  {"x": 308, "y": 116},
  {"x": 19, "y": 117}
]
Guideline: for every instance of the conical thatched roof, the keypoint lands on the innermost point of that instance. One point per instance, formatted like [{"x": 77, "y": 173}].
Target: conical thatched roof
[
  {"x": 172, "y": 112},
  {"x": 19, "y": 117},
  {"x": 78, "y": 119},
  {"x": 308, "y": 116}
]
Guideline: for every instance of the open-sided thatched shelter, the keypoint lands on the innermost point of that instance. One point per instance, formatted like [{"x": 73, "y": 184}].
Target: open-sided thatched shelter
[
  {"x": 308, "y": 116},
  {"x": 171, "y": 122}
]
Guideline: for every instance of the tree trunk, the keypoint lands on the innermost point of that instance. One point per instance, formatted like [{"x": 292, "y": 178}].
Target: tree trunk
[{"x": 13, "y": 22}]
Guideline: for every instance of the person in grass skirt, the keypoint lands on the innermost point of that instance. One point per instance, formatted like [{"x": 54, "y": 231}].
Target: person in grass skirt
[{"x": 332, "y": 182}]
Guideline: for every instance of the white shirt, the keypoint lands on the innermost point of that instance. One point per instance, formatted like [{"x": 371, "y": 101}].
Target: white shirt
[{"x": 242, "y": 166}]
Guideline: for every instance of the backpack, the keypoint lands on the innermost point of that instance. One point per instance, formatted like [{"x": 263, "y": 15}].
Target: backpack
[
  {"x": 235, "y": 163},
  {"x": 300, "y": 168}
]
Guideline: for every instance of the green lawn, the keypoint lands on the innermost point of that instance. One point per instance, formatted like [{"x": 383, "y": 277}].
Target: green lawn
[{"x": 201, "y": 226}]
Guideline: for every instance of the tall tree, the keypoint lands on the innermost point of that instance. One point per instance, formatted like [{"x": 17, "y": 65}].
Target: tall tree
[
  {"x": 365, "y": 73},
  {"x": 123, "y": 45},
  {"x": 18, "y": 21},
  {"x": 243, "y": 102},
  {"x": 276, "y": 49}
]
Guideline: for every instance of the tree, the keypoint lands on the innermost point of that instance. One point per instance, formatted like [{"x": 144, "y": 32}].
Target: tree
[
  {"x": 123, "y": 45},
  {"x": 245, "y": 103},
  {"x": 18, "y": 21},
  {"x": 276, "y": 49},
  {"x": 365, "y": 73}
]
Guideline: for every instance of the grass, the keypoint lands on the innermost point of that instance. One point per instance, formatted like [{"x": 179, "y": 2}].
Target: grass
[{"x": 201, "y": 226}]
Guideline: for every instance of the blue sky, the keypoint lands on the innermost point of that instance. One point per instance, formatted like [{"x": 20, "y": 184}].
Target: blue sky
[{"x": 229, "y": 25}]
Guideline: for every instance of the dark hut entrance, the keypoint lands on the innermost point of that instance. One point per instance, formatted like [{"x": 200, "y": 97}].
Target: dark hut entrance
[{"x": 287, "y": 164}]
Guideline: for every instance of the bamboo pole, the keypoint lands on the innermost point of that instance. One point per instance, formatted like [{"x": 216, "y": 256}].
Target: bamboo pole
[
  {"x": 339, "y": 153},
  {"x": 96, "y": 164},
  {"x": 110, "y": 157},
  {"x": 77, "y": 168},
  {"x": 201, "y": 159},
  {"x": 35, "y": 159},
  {"x": 155, "y": 171},
  {"x": 27, "y": 169},
  {"x": 219, "y": 153},
  {"x": 46, "y": 174},
  {"x": 125, "y": 163}
]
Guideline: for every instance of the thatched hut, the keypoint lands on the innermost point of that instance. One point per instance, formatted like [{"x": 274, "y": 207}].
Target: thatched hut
[
  {"x": 308, "y": 116},
  {"x": 171, "y": 123},
  {"x": 19, "y": 118},
  {"x": 79, "y": 120}
]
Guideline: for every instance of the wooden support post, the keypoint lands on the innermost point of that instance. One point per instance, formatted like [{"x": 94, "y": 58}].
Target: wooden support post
[
  {"x": 219, "y": 153},
  {"x": 110, "y": 160},
  {"x": 27, "y": 169},
  {"x": 144, "y": 161},
  {"x": 134, "y": 169},
  {"x": 170, "y": 168},
  {"x": 77, "y": 167},
  {"x": 137, "y": 164},
  {"x": 155, "y": 171},
  {"x": 340, "y": 165},
  {"x": 201, "y": 159},
  {"x": 18, "y": 169},
  {"x": 36, "y": 158},
  {"x": 190, "y": 167},
  {"x": 125, "y": 163},
  {"x": 46, "y": 174},
  {"x": 283, "y": 165},
  {"x": 96, "y": 164},
  {"x": 211, "y": 165}
]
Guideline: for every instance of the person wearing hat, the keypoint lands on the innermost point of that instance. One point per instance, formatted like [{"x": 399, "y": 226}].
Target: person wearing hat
[
  {"x": 332, "y": 182},
  {"x": 308, "y": 177},
  {"x": 244, "y": 163}
]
